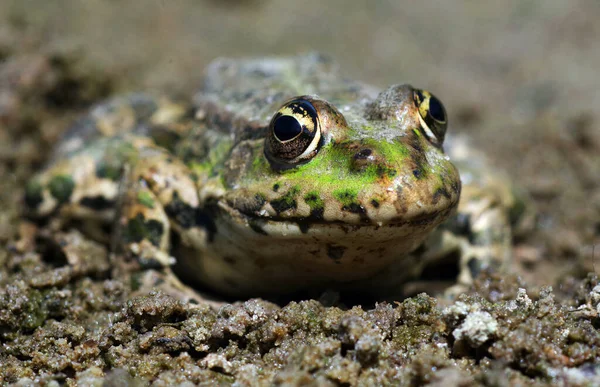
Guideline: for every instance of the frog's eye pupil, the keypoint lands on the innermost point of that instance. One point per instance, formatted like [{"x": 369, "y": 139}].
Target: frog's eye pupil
[
  {"x": 436, "y": 110},
  {"x": 286, "y": 128}
]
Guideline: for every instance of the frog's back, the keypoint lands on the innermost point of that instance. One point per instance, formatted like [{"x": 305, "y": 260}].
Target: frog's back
[{"x": 240, "y": 96}]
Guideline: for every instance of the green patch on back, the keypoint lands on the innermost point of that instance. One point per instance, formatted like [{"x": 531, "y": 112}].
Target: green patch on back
[
  {"x": 108, "y": 170},
  {"x": 138, "y": 229},
  {"x": 33, "y": 194},
  {"x": 61, "y": 187},
  {"x": 145, "y": 199},
  {"x": 392, "y": 151}
]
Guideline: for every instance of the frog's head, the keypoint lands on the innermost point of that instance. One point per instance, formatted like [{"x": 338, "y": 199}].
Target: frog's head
[{"x": 377, "y": 163}]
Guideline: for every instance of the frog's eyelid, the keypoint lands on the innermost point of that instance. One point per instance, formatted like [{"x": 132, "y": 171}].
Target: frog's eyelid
[
  {"x": 428, "y": 132},
  {"x": 312, "y": 146}
]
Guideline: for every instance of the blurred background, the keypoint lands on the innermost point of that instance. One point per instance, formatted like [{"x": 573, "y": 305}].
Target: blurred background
[{"x": 519, "y": 77}]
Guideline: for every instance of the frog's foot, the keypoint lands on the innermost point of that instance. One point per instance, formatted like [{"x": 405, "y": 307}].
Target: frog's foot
[{"x": 484, "y": 245}]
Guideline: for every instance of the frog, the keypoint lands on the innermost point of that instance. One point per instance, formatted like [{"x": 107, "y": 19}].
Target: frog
[{"x": 280, "y": 175}]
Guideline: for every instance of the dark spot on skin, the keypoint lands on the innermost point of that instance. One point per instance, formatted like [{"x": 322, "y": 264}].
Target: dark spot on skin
[
  {"x": 304, "y": 227},
  {"x": 275, "y": 187},
  {"x": 416, "y": 145},
  {"x": 33, "y": 194},
  {"x": 317, "y": 207},
  {"x": 317, "y": 213},
  {"x": 354, "y": 208},
  {"x": 439, "y": 193},
  {"x": 456, "y": 187},
  {"x": 460, "y": 224},
  {"x": 181, "y": 212},
  {"x": 335, "y": 252},
  {"x": 107, "y": 170},
  {"x": 251, "y": 204},
  {"x": 420, "y": 250},
  {"x": 97, "y": 202},
  {"x": 138, "y": 229},
  {"x": 257, "y": 226},
  {"x": 375, "y": 203},
  {"x": 363, "y": 154},
  {"x": 474, "y": 267},
  {"x": 61, "y": 187},
  {"x": 204, "y": 220},
  {"x": 150, "y": 263},
  {"x": 348, "y": 200},
  {"x": 383, "y": 171},
  {"x": 286, "y": 202},
  {"x": 417, "y": 156},
  {"x": 256, "y": 204},
  {"x": 517, "y": 211}
]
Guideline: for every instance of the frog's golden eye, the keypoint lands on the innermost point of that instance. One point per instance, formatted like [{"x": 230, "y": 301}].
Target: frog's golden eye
[
  {"x": 294, "y": 134},
  {"x": 432, "y": 116}
]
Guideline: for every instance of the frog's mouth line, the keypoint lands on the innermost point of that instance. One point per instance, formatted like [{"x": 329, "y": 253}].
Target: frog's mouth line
[{"x": 261, "y": 223}]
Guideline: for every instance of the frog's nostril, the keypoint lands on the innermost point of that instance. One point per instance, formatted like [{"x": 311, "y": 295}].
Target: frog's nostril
[
  {"x": 363, "y": 154},
  {"x": 362, "y": 158}
]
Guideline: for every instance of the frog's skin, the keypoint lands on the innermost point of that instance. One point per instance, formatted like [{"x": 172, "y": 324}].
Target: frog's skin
[{"x": 351, "y": 206}]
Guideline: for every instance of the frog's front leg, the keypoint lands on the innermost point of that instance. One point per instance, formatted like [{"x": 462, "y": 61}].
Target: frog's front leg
[
  {"x": 159, "y": 196},
  {"x": 484, "y": 233}
]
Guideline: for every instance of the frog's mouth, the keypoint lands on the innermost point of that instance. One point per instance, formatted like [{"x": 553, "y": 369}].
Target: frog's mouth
[{"x": 315, "y": 224}]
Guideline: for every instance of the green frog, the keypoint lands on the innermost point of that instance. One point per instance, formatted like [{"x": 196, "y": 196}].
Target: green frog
[{"x": 280, "y": 176}]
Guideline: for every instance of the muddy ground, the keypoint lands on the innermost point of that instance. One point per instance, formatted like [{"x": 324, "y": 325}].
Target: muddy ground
[{"x": 519, "y": 77}]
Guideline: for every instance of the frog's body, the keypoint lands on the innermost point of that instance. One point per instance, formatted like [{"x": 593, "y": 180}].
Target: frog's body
[{"x": 340, "y": 192}]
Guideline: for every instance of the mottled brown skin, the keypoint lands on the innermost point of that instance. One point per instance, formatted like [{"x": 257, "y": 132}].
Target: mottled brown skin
[{"x": 254, "y": 219}]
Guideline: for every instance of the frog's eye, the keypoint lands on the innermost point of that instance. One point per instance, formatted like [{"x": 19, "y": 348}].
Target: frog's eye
[
  {"x": 294, "y": 134},
  {"x": 432, "y": 116}
]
